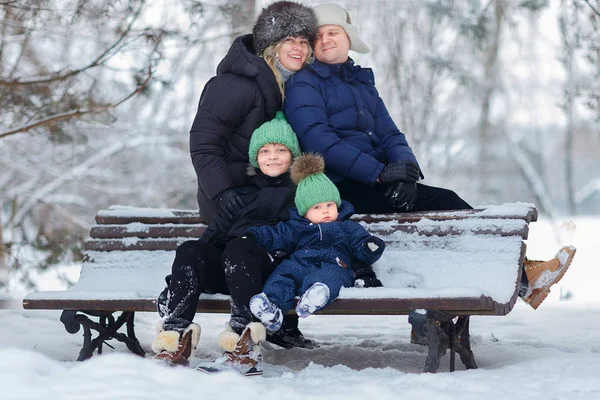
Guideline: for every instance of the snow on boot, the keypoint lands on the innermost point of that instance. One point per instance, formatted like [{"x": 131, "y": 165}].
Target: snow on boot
[
  {"x": 315, "y": 298},
  {"x": 246, "y": 356},
  {"x": 543, "y": 274},
  {"x": 267, "y": 312},
  {"x": 173, "y": 348}
]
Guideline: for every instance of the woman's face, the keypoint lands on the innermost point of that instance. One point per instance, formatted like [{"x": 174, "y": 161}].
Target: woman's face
[
  {"x": 274, "y": 159},
  {"x": 293, "y": 52}
]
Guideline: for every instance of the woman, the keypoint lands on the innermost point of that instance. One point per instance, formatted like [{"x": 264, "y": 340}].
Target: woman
[{"x": 247, "y": 91}]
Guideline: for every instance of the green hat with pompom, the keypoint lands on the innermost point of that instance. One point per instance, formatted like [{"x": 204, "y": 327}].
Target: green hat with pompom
[
  {"x": 276, "y": 131},
  {"x": 313, "y": 186}
]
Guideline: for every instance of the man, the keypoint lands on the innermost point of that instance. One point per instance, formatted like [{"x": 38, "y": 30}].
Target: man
[{"x": 335, "y": 109}]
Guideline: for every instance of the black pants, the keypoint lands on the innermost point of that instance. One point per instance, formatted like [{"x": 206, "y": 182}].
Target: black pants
[
  {"x": 197, "y": 269},
  {"x": 372, "y": 200},
  {"x": 247, "y": 267}
]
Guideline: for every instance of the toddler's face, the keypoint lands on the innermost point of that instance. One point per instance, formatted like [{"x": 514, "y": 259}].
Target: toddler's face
[
  {"x": 274, "y": 159},
  {"x": 322, "y": 212}
]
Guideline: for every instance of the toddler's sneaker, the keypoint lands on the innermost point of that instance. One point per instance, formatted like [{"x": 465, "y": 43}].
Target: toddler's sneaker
[
  {"x": 315, "y": 298},
  {"x": 267, "y": 312}
]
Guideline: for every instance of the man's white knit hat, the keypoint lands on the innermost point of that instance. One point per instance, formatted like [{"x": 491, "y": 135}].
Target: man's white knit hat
[{"x": 333, "y": 14}]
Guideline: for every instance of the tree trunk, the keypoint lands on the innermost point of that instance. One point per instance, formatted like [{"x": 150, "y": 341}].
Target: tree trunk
[
  {"x": 3, "y": 258},
  {"x": 489, "y": 84},
  {"x": 570, "y": 89},
  {"x": 242, "y": 16}
]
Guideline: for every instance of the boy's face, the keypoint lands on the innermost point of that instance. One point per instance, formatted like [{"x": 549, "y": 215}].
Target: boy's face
[
  {"x": 274, "y": 159},
  {"x": 322, "y": 212}
]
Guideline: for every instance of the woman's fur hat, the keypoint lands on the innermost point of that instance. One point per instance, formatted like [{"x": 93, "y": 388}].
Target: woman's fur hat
[{"x": 283, "y": 19}]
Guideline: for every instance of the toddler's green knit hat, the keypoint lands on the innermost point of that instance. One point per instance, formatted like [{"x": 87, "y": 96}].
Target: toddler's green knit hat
[
  {"x": 276, "y": 130},
  {"x": 314, "y": 186}
]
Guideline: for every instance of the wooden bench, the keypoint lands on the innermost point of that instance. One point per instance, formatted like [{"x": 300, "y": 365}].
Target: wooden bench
[{"x": 452, "y": 264}]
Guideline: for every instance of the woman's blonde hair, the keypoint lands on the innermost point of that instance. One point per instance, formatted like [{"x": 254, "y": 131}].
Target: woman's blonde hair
[{"x": 270, "y": 56}]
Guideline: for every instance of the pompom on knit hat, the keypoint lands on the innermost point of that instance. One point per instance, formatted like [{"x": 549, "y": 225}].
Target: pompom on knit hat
[
  {"x": 277, "y": 131},
  {"x": 333, "y": 14},
  {"x": 313, "y": 186},
  {"x": 281, "y": 20}
]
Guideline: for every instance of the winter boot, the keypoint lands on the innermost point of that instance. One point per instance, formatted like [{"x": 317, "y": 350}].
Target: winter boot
[
  {"x": 289, "y": 335},
  {"x": 266, "y": 311},
  {"x": 243, "y": 356},
  {"x": 543, "y": 274},
  {"x": 173, "y": 348},
  {"x": 315, "y": 298}
]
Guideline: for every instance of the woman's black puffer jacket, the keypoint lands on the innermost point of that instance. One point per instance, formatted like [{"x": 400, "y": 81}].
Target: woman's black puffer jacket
[{"x": 242, "y": 96}]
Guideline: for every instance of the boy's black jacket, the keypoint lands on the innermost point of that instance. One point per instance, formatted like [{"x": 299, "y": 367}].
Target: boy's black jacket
[{"x": 268, "y": 202}]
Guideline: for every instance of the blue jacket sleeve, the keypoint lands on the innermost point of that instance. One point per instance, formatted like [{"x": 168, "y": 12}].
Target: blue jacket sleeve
[
  {"x": 395, "y": 145},
  {"x": 305, "y": 111},
  {"x": 358, "y": 238},
  {"x": 275, "y": 237}
]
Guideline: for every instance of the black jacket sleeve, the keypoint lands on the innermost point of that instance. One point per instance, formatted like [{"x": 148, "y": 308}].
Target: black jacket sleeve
[{"x": 224, "y": 105}]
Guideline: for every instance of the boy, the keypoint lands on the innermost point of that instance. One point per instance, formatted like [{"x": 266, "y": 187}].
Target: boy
[{"x": 323, "y": 244}]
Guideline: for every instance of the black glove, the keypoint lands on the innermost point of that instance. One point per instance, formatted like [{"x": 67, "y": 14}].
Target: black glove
[
  {"x": 230, "y": 202},
  {"x": 249, "y": 236},
  {"x": 402, "y": 195},
  {"x": 279, "y": 254},
  {"x": 406, "y": 171},
  {"x": 364, "y": 275}
]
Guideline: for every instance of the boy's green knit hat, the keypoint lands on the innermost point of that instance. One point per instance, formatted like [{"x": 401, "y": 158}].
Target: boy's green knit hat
[
  {"x": 276, "y": 130},
  {"x": 313, "y": 185}
]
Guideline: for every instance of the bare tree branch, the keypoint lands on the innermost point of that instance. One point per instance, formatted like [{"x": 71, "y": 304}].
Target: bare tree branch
[
  {"x": 62, "y": 75},
  {"x": 597, "y": 12},
  {"x": 78, "y": 113},
  {"x": 82, "y": 170}
]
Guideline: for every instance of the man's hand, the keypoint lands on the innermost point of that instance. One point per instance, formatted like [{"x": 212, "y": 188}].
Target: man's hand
[
  {"x": 230, "y": 202},
  {"x": 397, "y": 171},
  {"x": 402, "y": 195}
]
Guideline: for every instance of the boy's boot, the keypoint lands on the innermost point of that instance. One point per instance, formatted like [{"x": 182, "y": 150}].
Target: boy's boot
[
  {"x": 242, "y": 355},
  {"x": 543, "y": 274},
  {"x": 174, "y": 348}
]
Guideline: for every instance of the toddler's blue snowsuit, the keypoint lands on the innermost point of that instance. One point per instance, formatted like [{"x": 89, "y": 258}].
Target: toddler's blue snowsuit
[{"x": 319, "y": 253}]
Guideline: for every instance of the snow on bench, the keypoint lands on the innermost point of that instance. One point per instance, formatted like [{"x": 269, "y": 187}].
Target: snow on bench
[{"x": 453, "y": 263}]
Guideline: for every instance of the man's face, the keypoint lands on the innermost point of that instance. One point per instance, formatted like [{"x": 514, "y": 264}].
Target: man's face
[{"x": 332, "y": 44}]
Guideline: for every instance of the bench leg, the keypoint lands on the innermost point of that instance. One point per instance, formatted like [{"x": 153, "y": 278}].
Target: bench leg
[
  {"x": 437, "y": 344},
  {"x": 463, "y": 347},
  {"x": 443, "y": 333},
  {"x": 107, "y": 328}
]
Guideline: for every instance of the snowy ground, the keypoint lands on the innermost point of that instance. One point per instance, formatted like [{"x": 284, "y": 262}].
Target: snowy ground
[{"x": 551, "y": 353}]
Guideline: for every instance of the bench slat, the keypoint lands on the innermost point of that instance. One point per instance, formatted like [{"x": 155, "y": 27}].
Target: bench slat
[
  {"x": 146, "y": 231},
  {"x": 466, "y": 306},
  {"x": 193, "y": 231},
  {"x": 118, "y": 216}
]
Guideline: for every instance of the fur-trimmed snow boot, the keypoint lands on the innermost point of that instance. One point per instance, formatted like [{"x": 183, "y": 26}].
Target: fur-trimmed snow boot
[
  {"x": 173, "y": 348},
  {"x": 243, "y": 356},
  {"x": 543, "y": 274}
]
